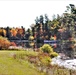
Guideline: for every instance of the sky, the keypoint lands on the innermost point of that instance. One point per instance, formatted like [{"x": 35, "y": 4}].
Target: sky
[{"x": 17, "y": 13}]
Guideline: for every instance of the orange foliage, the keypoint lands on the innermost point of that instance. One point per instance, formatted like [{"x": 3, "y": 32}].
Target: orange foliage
[
  {"x": 16, "y": 31},
  {"x": 20, "y": 31},
  {"x": 12, "y": 44},
  {"x": 13, "y": 32},
  {"x": 55, "y": 37},
  {"x": 4, "y": 43}
]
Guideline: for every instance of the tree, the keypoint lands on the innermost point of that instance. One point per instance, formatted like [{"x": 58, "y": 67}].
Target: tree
[
  {"x": 41, "y": 19},
  {"x": 46, "y": 18},
  {"x": 71, "y": 8},
  {"x": 3, "y": 32},
  {"x": 13, "y": 32},
  {"x": 8, "y": 34},
  {"x": 37, "y": 20},
  {"x": 46, "y": 22}
]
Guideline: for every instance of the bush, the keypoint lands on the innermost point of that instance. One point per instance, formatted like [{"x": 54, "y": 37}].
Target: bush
[
  {"x": 46, "y": 48},
  {"x": 44, "y": 59},
  {"x": 4, "y": 43},
  {"x": 53, "y": 54},
  {"x": 12, "y": 44}
]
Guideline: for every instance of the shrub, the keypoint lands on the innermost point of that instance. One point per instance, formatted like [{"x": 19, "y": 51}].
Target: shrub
[
  {"x": 46, "y": 48},
  {"x": 45, "y": 60},
  {"x": 53, "y": 54},
  {"x": 12, "y": 44},
  {"x": 4, "y": 43}
]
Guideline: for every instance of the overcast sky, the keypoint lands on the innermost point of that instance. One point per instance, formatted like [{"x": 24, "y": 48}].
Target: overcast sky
[{"x": 23, "y": 13}]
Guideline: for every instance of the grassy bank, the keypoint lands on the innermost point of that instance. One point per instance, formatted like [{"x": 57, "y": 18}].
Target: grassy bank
[{"x": 9, "y": 65}]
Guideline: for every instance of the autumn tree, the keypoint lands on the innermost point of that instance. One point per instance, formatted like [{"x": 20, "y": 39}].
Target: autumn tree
[
  {"x": 13, "y": 32},
  {"x": 3, "y": 32}
]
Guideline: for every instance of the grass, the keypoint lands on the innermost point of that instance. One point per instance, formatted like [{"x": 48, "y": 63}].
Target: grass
[
  {"x": 11, "y": 66},
  {"x": 21, "y": 66}
]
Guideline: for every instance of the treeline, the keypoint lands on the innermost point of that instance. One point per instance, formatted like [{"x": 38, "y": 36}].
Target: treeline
[
  {"x": 12, "y": 33},
  {"x": 61, "y": 28}
]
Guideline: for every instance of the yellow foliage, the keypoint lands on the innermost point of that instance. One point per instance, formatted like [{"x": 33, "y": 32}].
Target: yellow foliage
[
  {"x": 46, "y": 60},
  {"x": 53, "y": 54},
  {"x": 31, "y": 38},
  {"x": 46, "y": 48},
  {"x": 32, "y": 43}
]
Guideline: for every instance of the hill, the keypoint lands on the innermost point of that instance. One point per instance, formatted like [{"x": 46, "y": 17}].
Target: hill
[{"x": 12, "y": 66}]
